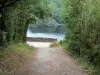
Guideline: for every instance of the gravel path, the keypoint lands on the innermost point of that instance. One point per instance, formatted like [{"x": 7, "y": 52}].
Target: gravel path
[{"x": 52, "y": 61}]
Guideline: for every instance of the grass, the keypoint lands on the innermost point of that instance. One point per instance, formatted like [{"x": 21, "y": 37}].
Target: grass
[
  {"x": 55, "y": 44},
  {"x": 20, "y": 47},
  {"x": 85, "y": 64},
  {"x": 14, "y": 57}
]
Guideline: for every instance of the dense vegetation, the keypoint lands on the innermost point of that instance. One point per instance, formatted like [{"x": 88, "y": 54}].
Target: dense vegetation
[
  {"x": 52, "y": 24},
  {"x": 16, "y": 16},
  {"x": 47, "y": 25},
  {"x": 82, "y": 19}
]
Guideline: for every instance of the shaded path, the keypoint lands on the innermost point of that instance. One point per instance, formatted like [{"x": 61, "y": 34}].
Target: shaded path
[{"x": 52, "y": 61}]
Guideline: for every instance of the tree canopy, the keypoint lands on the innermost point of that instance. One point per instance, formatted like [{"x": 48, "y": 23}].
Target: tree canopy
[
  {"x": 16, "y": 18},
  {"x": 82, "y": 19}
]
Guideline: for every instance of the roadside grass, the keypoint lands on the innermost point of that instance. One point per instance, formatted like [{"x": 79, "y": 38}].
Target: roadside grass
[
  {"x": 55, "y": 44},
  {"x": 22, "y": 47},
  {"x": 14, "y": 57},
  {"x": 85, "y": 64}
]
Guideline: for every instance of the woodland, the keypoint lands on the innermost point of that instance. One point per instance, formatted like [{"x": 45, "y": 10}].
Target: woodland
[
  {"x": 81, "y": 20},
  {"x": 16, "y": 16}
]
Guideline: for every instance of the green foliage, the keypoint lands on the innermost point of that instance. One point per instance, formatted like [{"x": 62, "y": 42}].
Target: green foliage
[
  {"x": 88, "y": 66},
  {"x": 48, "y": 25},
  {"x": 55, "y": 6},
  {"x": 17, "y": 16},
  {"x": 82, "y": 19},
  {"x": 55, "y": 44}
]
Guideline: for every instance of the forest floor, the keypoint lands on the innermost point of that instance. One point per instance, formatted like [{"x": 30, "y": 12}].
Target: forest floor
[{"x": 51, "y": 61}]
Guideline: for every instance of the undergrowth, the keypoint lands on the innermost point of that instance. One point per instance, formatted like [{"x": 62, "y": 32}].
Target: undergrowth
[
  {"x": 55, "y": 44},
  {"x": 85, "y": 64}
]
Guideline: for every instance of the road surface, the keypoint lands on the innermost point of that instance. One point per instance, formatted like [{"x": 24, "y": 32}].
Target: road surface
[{"x": 52, "y": 61}]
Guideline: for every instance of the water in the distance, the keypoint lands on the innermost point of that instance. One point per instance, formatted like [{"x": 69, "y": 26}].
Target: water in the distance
[{"x": 59, "y": 36}]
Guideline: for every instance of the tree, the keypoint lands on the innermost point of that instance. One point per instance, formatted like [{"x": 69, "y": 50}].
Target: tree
[
  {"x": 17, "y": 14},
  {"x": 82, "y": 28}
]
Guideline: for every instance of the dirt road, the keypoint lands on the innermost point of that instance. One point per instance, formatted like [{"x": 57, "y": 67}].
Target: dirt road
[{"x": 52, "y": 61}]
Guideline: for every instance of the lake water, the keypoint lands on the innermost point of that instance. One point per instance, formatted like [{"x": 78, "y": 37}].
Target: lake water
[{"x": 58, "y": 36}]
